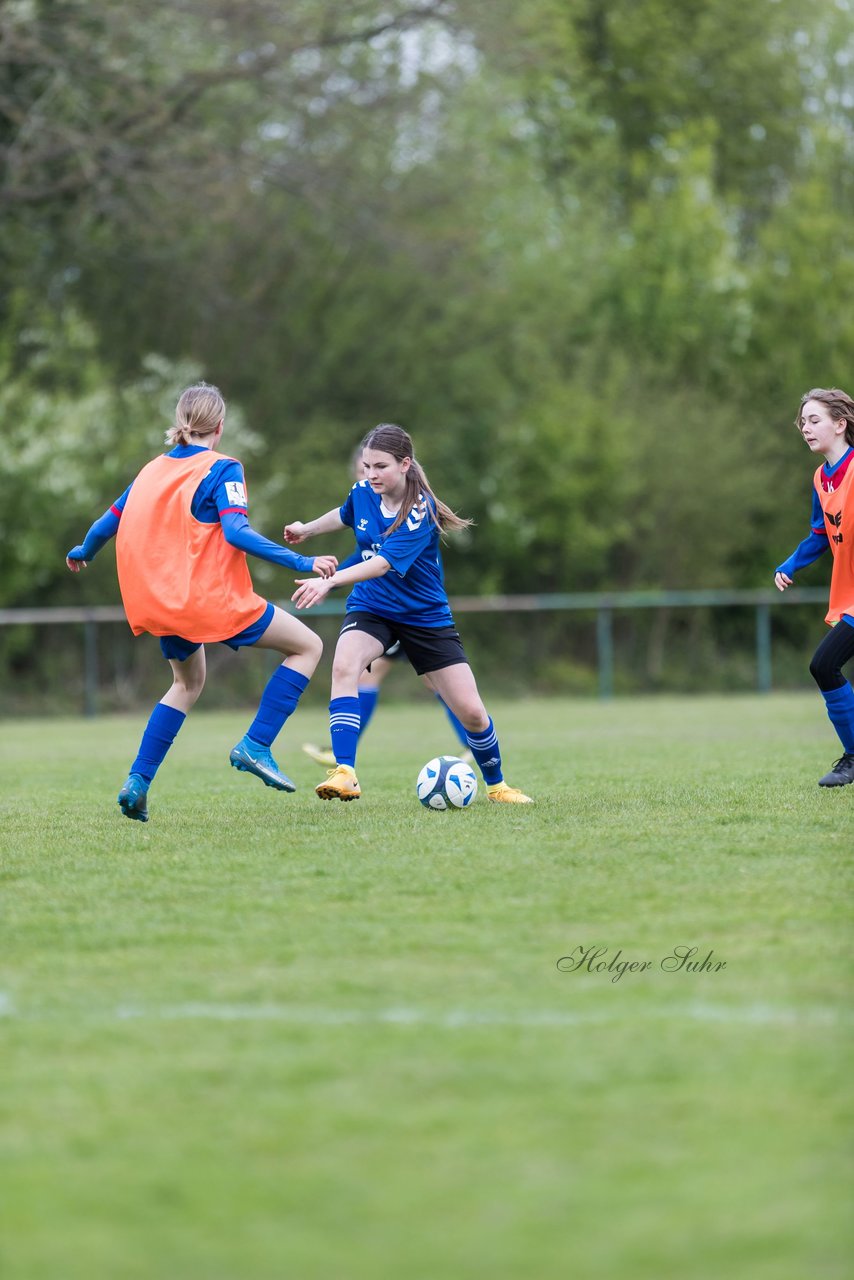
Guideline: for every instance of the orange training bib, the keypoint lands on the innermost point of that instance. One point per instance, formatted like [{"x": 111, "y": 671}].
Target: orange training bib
[{"x": 177, "y": 575}]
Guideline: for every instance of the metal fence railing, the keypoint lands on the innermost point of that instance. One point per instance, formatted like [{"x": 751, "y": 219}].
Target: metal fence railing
[{"x": 602, "y": 605}]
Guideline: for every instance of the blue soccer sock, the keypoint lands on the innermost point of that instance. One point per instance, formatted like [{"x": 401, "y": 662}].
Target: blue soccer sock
[
  {"x": 344, "y": 724},
  {"x": 163, "y": 724},
  {"x": 368, "y": 695},
  {"x": 840, "y": 710},
  {"x": 485, "y": 749},
  {"x": 278, "y": 701},
  {"x": 458, "y": 728}
]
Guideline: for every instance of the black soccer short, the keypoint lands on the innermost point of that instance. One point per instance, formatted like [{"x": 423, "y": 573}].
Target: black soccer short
[{"x": 427, "y": 648}]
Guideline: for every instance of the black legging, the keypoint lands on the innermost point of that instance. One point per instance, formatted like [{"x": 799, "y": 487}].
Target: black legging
[{"x": 830, "y": 657}]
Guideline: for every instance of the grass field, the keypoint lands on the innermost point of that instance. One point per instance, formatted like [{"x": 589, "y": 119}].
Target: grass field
[{"x": 265, "y": 1036}]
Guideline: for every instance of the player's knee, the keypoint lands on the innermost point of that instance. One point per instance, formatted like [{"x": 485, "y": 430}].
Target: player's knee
[
  {"x": 345, "y": 669},
  {"x": 313, "y": 646},
  {"x": 473, "y": 717},
  {"x": 189, "y": 686},
  {"x": 826, "y": 673},
  {"x": 307, "y": 645}
]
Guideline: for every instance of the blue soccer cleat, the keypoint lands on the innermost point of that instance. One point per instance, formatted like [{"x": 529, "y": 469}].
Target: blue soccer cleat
[
  {"x": 250, "y": 757},
  {"x": 132, "y": 798}
]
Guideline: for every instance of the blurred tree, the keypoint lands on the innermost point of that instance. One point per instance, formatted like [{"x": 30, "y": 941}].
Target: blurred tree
[
  {"x": 578, "y": 249},
  {"x": 72, "y": 443},
  {"x": 97, "y": 100}
]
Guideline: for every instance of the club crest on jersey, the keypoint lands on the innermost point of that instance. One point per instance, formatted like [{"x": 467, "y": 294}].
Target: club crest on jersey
[{"x": 236, "y": 493}]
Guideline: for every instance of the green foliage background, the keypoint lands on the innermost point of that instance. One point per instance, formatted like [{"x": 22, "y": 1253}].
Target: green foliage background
[{"x": 589, "y": 252}]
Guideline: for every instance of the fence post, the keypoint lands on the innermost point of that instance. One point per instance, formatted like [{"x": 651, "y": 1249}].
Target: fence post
[
  {"x": 605, "y": 651},
  {"x": 763, "y": 648},
  {"x": 90, "y": 667}
]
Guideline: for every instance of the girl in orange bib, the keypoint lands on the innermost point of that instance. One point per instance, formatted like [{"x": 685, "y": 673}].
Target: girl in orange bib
[
  {"x": 826, "y": 422},
  {"x": 182, "y": 536}
]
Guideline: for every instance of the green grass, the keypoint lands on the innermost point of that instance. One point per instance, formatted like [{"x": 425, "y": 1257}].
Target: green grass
[{"x": 263, "y": 1036}]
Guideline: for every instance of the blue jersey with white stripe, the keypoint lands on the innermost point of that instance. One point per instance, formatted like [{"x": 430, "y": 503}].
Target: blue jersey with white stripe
[{"x": 413, "y": 590}]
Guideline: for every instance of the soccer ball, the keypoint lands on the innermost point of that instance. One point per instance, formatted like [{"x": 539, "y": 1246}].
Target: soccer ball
[{"x": 446, "y": 783}]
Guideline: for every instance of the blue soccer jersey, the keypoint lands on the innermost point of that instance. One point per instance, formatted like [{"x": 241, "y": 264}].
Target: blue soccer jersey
[{"x": 413, "y": 590}]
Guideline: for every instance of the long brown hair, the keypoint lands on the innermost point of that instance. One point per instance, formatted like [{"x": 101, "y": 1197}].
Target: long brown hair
[
  {"x": 839, "y": 406},
  {"x": 389, "y": 438}
]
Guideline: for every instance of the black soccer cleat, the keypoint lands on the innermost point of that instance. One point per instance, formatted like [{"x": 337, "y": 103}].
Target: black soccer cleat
[{"x": 841, "y": 773}]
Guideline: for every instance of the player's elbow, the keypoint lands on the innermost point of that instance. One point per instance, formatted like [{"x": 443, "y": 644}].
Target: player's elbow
[{"x": 233, "y": 532}]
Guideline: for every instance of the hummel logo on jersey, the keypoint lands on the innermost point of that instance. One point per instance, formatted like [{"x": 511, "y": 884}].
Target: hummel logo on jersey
[
  {"x": 236, "y": 493},
  {"x": 417, "y": 514},
  {"x": 363, "y": 524}
]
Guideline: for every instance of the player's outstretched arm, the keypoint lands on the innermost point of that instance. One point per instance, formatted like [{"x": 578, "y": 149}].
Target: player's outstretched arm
[
  {"x": 813, "y": 546},
  {"x": 297, "y": 531},
  {"x": 100, "y": 533},
  {"x": 311, "y": 591},
  {"x": 238, "y": 532}
]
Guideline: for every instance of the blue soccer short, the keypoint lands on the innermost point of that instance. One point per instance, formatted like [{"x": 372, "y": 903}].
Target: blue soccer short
[{"x": 179, "y": 649}]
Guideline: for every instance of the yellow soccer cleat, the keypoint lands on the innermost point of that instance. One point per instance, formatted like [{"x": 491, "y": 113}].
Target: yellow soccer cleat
[
  {"x": 341, "y": 784},
  {"x": 320, "y": 755},
  {"x": 500, "y": 793}
]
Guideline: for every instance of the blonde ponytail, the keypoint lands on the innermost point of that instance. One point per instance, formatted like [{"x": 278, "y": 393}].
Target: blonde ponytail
[{"x": 198, "y": 413}]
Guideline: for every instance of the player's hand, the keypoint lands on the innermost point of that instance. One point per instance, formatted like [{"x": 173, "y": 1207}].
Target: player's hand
[
  {"x": 75, "y": 564},
  {"x": 782, "y": 580},
  {"x": 325, "y": 565},
  {"x": 310, "y": 591},
  {"x": 294, "y": 533}
]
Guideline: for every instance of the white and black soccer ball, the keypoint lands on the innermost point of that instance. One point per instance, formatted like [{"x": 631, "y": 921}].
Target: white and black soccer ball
[{"x": 446, "y": 783}]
